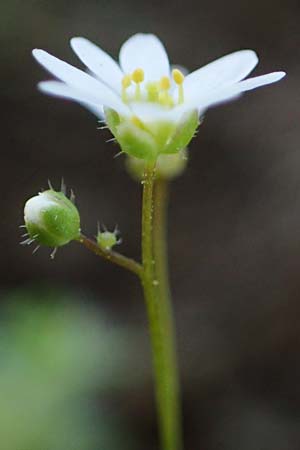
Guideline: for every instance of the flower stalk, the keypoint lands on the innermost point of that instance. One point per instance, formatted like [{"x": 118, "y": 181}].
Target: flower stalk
[
  {"x": 157, "y": 297},
  {"x": 112, "y": 256},
  {"x": 160, "y": 245},
  {"x": 153, "y": 273}
]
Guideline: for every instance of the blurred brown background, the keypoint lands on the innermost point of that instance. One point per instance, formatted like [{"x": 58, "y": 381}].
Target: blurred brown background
[{"x": 234, "y": 215}]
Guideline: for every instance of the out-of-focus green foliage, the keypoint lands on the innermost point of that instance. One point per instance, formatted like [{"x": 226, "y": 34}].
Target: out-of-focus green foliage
[{"x": 54, "y": 357}]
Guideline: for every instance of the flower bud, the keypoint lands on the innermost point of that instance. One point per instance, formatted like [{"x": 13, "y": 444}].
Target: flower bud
[
  {"x": 167, "y": 166},
  {"x": 107, "y": 239},
  {"x": 51, "y": 219}
]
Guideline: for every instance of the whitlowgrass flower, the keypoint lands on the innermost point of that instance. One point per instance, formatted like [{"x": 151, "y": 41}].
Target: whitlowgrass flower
[{"x": 150, "y": 108}]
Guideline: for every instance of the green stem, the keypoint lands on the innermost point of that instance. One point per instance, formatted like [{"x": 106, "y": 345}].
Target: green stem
[
  {"x": 110, "y": 255},
  {"x": 160, "y": 244},
  {"x": 153, "y": 274},
  {"x": 161, "y": 327}
]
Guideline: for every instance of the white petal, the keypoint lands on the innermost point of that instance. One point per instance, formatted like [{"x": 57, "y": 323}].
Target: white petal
[
  {"x": 219, "y": 97},
  {"x": 253, "y": 83},
  {"x": 145, "y": 51},
  {"x": 94, "y": 89},
  {"x": 226, "y": 70},
  {"x": 151, "y": 112},
  {"x": 36, "y": 206},
  {"x": 96, "y": 110},
  {"x": 59, "y": 89},
  {"x": 98, "y": 61},
  {"x": 204, "y": 100}
]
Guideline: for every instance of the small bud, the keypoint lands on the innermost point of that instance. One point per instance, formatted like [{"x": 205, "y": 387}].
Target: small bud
[
  {"x": 107, "y": 239},
  {"x": 51, "y": 219},
  {"x": 167, "y": 166}
]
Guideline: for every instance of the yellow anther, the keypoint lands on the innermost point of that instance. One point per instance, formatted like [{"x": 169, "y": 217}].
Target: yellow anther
[
  {"x": 138, "y": 76},
  {"x": 165, "y": 83},
  {"x": 126, "y": 81},
  {"x": 178, "y": 76}
]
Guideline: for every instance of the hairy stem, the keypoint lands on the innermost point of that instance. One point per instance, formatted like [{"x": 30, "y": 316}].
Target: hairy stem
[{"x": 161, "y": 328}]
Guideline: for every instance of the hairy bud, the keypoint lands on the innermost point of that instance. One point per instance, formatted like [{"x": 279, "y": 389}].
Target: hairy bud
[
  {"x": 107, "y": 239},
  {"x": 51, "y": 219}
]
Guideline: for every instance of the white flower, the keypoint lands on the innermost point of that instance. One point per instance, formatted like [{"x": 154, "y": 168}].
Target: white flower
[{"x": 154, "y": 103}]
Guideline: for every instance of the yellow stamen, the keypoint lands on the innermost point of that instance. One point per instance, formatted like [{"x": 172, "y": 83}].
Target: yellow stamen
[
  {"x": 178, "y": 77},
  {"x": 165, "y": 99},
  {"x": 165, "y": 83},
  {"x": 152, "y": 90},
  {"x": 138, "y": 77},
  {"x": 126, "y": 82}
]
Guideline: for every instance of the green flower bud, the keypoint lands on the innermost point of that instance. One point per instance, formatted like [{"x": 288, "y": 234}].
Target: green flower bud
[
  {"x": 107, "y": 239},
  {"x": 167, "y": 166},
  {"x": 51, "y": 219},
  {"x": 148, "y": 140}
]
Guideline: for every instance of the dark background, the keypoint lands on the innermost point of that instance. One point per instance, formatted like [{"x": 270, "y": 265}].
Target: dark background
[{"x": 234, "y": 224}]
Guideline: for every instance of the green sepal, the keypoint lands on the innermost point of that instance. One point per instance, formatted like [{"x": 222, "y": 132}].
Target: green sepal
[
  {"x": 136, "y": 142},
  {"x": 147, "y": 141},
  {"x": 184, "y": 133},
  {"x": 112, "y": 119}
]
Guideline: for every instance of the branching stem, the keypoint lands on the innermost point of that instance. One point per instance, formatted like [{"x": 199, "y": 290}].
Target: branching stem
[
  {"x": 112, "y": 256},
  {"x": 153, "y": 273}
]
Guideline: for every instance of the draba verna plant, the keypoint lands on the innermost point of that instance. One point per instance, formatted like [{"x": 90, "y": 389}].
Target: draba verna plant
[{"x": 153, "y": 111}]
